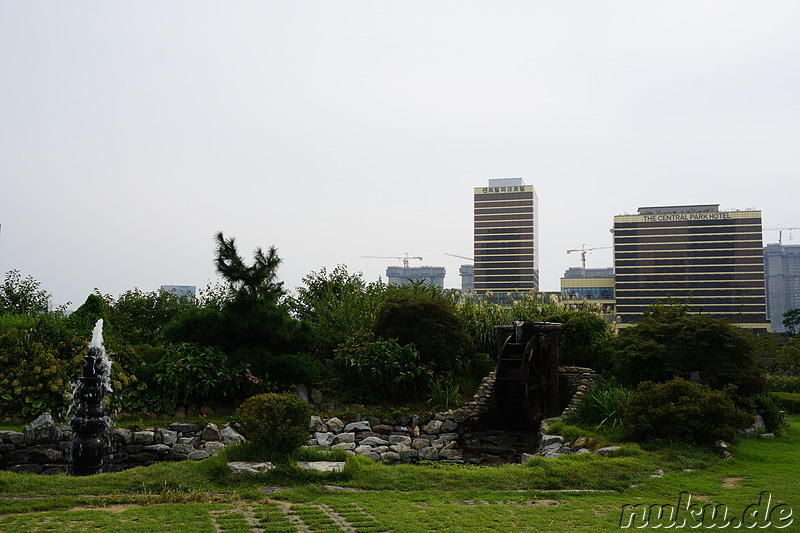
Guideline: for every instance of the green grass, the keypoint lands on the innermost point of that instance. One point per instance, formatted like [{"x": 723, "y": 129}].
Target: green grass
[{"x": 572, "y": 493}]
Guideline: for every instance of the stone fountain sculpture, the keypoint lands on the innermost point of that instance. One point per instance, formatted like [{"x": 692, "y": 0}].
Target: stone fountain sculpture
[{"x": 89, "y": 425}]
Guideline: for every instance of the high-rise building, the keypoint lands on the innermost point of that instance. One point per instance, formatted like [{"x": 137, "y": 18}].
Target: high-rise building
[
  {"x": 467, "y": 273},
  {"x": 506, "y": 241},
  {"x": 402, "y": 275},
  {"x": 710, "y": 259},
  {"x": 187, "y": 291},
  {"x": 782, "y": 275}
]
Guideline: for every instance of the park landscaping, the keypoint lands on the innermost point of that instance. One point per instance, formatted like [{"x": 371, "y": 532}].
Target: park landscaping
[{"x": 572, "y": 493}]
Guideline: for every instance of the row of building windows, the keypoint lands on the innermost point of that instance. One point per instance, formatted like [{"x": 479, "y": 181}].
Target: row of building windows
[
  {"x": 643, "y": 278},
  {"x": 604, "y": 293},
  {"x": 684, "y": 254},
  {"x": 750, "y": 237},
  {"x": 690, "y": 224},
  {"x": 717, "y": 269},
  {"x": 707, "y": 230}
]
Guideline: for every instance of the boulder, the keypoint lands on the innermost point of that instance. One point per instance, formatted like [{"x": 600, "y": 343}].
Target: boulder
[
  {"x": 344, "y": 437},
  {"x": 322, "y": 466},
  {"x": 607, "y": 450},
  {"x": 42, "y": 430},
  {"x": 231, "y": 436},
  {"x": 244, "y": 467},
  {"x": 335, "y": 425},
  {"x": 357, "y": 426},
  {"x": 197, "y": 455},
  {"x": 143, "y": 438},
  {"x": 210, "y": 432},
  {"x": 374, "y": 441},
  {"x": 186, "y": 427}
]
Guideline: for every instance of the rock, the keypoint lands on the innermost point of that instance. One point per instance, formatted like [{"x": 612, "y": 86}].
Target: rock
[
  {"x": 418, "y": 444},
  {"x": 399, "y": 439},
  {"x": 316, "y": 425},
  {"x": 374, "y": 441},
  {"x": 26, "y": 468},
  {"x": 231, "y": 436},
  {"x": 186, "y": 427},
  {"x": 447, "y": 437},
  {"x": 166, "y": 436},
  {"x": 46, "y": 454},
  {"x": 180, "y": 412},
  {"x": 143, "y": 438},
  {"x": 434, "y": 427},
  {"x": 213, "y": 447},
  {"x": 658, "y": 473},
  {"x": 325, "y": 439},
  {"x": 210, "y": 432},
  {"x": 302, "y": 392},
  {"x": 767, "y": 435},
  {"x": 12, "y": 437},
  {"x": 449, "y": 426},
  {"x": 400, "y": 448},
  {"x": 121, "y": 437},
  {"x": 430, "y": 453},
  {"x": 551, "y": 455},
  {"x": 372, "y": 420},
  {"x": 607, "y": 450},
  {"x": 144, "y": 457},
  {"x": 207, "y": 412},
  {"x": 335, "y": 425},
  {"x": 192, "y": 441},
  {"x": 322, "y": 466},
  {"x": 198, "y": 455},
  {"x": 133, "y": 448},
  {"x": 549, "y": 440},
  {"x": 380, "y": 449},
  {"x": 344, "y": 446},
  {"x": 449, "y": 454},
  {"x": 758, "y": 426},
  {"x": 184, "y": 449},
  {"x": 583, "y": 451},
  {"x": 42, "y": 430},
  {"x": 344, "y": 437},
  {"x": 363, "y": 449},
  {"x": 405, "y": 455},
  {"x": 244, "y": 467},
  {"x": 383, "y": 429},
  {"x": 161, "y": 449},
  {"x": 580, "y": 442},
  {"x": 316, "y": 396},
  {"x": 525, "y": 457},
  {"x": 372, "y": 455},
  {"x": 357, "y": 426},
  {"x": 390, "y": 456}
]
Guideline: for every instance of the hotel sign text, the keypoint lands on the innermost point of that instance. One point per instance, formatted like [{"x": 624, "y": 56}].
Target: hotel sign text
[{"x": 686, "y": 216}]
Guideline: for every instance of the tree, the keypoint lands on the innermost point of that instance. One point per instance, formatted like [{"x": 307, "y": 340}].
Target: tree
[
  {"x": 788, "y": 359},
  {"x": 429, "y": 323},
  {"x": 791, "y": 319},
  {"x": 22, "y": 296},
  {"x": 586, "y": 339},
  {"x": 669, "y": 342},
  {"x": 139, "y": 317},
  {"x": 337, "y": 306},
  {"x": 254, "y": 325}
]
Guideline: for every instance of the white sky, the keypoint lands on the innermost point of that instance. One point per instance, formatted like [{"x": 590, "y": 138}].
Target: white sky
[{"x": 132, "y": 131}]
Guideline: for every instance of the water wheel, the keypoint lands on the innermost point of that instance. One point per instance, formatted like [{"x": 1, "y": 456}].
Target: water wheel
[{"x": 526, "y": 381}]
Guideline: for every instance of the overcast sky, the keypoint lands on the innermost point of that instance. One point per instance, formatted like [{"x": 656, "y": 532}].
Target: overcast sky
[{"x": 131, "y": 132}]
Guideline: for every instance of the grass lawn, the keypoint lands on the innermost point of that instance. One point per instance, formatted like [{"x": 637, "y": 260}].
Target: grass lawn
[{"x": 572, "y": 493}]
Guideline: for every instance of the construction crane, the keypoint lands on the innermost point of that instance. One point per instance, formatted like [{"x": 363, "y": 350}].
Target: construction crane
[
  {"x": 583, "y": 249},
  {"x": 460, "y": 257},
  {"x": 405, "y": 258},
  {"x": 780, "y": 232}
]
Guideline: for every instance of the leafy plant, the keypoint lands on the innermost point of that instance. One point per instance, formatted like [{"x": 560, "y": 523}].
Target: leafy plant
[
  {"x": 682, "y": 410},
  {"x": 22, "y": 296},
  {"x": 602, "y": 406},
  {"x": 444, "y": 392},
  {"x": 277, "y": 421},
  {"x": 782, "y": 383},
  {"x": 381, "y": 368}
]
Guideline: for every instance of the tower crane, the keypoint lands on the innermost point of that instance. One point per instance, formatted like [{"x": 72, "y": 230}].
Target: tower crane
[
  {"x": 780, "y": 232},
  {"x": 583, "y": 249},
  {"x": 461, "y": 257},
  {"x": 404, "y": 258}
]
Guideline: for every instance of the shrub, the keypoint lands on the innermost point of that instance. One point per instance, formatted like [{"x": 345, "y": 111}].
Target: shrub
[
  {"x": 682, "y": 410},
  {"x": 277, "y": 421},
  {"x": 780, "y": 383},
  {"x": 585, "y": 340},
  {"x": 764, "y": 405},
  {"x": 789, "y": 402},
  {"x": 381, "y": 368}
]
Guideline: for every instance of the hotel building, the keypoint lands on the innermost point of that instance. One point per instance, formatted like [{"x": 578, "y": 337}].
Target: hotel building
[
  {"x": 782, "y": 272},
  {"x": 711, "y": 260},
  {"x": 506, "y": 241}
]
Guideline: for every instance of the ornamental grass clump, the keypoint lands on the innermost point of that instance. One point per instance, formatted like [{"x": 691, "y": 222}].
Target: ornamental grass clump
[{"x": 278, "y": 422}]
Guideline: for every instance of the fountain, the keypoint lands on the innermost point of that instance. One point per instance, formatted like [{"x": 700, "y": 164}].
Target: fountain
[{"x": 89, "y": 424}]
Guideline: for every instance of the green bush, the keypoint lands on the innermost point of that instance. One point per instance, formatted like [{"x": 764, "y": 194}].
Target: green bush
[
  {"x": 381, "y": 368},
  {"x": 682, "y": 410},
  {"x": 585, "y": 340},
  {"x": 781, "y": 383},
  {"x": 277, "y": 421},
  {"x": 764, "y": 405},
  {"x": 788, "y": 401}
]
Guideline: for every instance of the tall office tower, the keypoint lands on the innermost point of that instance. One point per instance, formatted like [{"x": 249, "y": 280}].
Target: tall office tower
[
  {"x": 711, "y": 259},
  {"x": 595, "y": 284},
  {"x": 506, "y": 240},
  {"x": 782, "y": 274}
]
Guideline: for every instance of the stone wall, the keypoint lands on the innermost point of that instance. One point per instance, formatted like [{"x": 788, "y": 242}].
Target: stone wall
[{"x": 44, "y": 447}]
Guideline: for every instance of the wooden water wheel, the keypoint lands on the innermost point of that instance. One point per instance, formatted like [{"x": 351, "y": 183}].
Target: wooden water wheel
[{"x": 526, "y": 381}]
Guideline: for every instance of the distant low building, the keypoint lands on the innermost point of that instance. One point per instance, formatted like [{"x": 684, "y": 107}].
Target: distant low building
[
  {"x": 467, "y": 273},
  {"x": 188, "y": 291},
  {"x": 397, "y": 275},
  {"x": 782, "y": 277},
  {"x": 596, "y": 284}
]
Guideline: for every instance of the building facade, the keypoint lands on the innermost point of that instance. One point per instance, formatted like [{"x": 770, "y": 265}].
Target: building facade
[
  {"x": 506, "y": 241},
  {"x": 711, "y": 260},
  {"x": 397, "y": 275},
  {"x": 782, "y": 276},
  {"x": 595, "y": 284},
  {"x": 467, "y": 273},
  {"x": 187, "y": 291}
]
